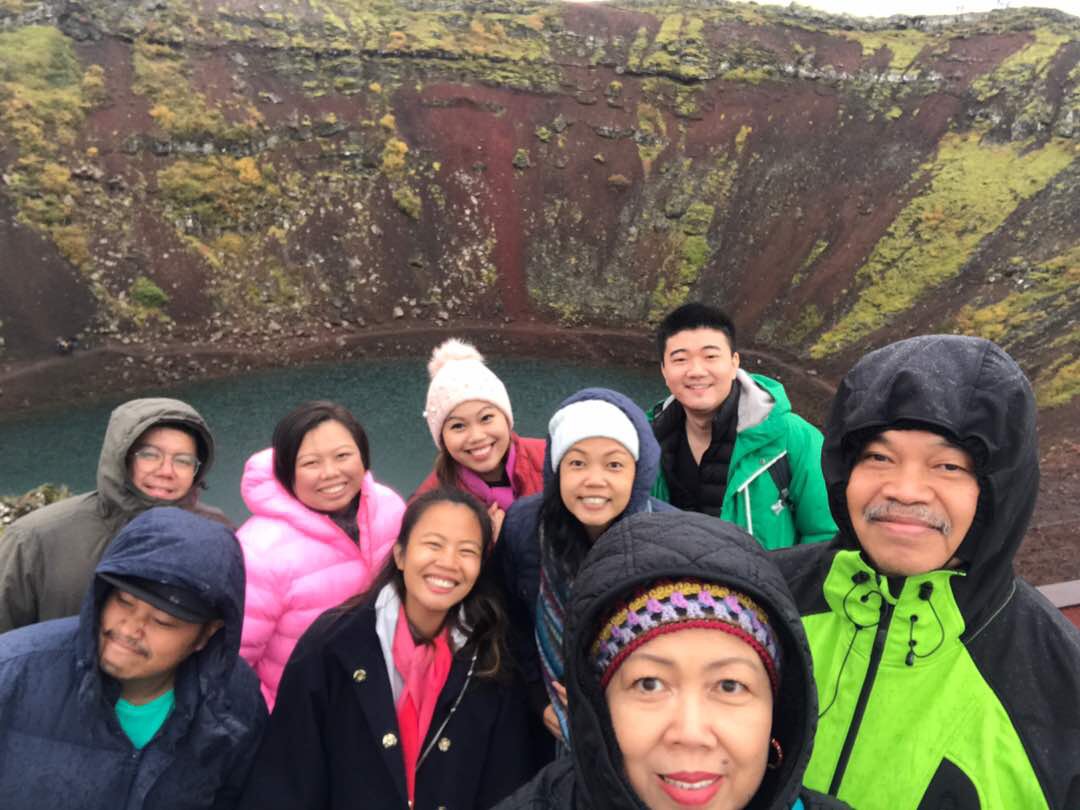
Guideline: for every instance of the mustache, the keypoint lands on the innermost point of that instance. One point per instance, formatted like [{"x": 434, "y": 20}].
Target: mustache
[
  {"x": 126, "y": 641},
  {"x": 923, "y": 514}
]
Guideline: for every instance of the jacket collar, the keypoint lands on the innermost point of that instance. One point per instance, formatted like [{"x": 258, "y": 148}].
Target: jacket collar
[
  {"x": 924, "y": 609},
  {"x": 264, "y": 495},
  {"x": 354, "y": 644}
]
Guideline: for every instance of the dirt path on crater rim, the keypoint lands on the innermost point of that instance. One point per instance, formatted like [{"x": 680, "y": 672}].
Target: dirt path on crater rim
[{"x": 1050, "y": 552}]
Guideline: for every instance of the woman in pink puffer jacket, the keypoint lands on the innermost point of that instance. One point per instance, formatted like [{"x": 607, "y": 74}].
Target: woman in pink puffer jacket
[{"x": 319, "y": 531}]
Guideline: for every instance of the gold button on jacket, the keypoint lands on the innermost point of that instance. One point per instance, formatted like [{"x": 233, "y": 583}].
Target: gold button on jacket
[
  {"x": 389, "y": 740},
  {"x": 444, "y": 744},
  {"x": 360, "y": 675}
]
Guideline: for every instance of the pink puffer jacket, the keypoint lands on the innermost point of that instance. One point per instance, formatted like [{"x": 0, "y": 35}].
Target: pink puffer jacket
[{"x": 299, "y": 563}]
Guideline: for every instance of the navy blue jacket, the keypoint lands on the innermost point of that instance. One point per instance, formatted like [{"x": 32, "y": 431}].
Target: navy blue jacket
[
  {"x": 518, "y": 551},
  {"x": 334, "y": 744},
  {"x": 61, "y": 745}
]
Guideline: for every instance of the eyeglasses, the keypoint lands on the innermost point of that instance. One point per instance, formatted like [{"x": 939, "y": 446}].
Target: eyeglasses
[{"x": 154, "y": 458}]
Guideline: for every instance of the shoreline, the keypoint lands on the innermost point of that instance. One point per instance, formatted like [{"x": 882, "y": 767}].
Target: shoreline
[
  {"x": 118, "y": 369},
  {"x": 114, "y": 367}
]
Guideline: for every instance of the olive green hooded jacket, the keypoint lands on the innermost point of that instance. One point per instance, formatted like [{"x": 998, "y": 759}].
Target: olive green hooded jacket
[
  {"x": 47, "y": 557},
  {"x": 960, "y": 687}
]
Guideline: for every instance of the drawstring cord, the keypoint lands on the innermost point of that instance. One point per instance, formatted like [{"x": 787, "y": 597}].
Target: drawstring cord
[
  {"x": 926, "y": 590},
  {"x": 857, "y": 579}
]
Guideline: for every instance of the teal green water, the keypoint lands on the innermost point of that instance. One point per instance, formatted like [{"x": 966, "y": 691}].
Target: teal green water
[{"x": 386, "y": 396}]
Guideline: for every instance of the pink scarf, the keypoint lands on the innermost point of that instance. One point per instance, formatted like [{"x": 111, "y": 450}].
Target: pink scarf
[
  {"x": 425, "y": 668},
  {"x": 488, "y": 494}
]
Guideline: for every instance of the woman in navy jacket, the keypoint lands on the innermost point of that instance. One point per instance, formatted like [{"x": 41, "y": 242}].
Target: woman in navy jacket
[
  {"x": 545, "y": 536},
  {"x": 340, "y": 736}
]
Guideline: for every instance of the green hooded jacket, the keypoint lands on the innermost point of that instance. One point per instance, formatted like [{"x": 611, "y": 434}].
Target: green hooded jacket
[
  {"x": 47, "y": 557},
  {"x": 956, "y": 688},
  {"x": 767, "y": 430}
]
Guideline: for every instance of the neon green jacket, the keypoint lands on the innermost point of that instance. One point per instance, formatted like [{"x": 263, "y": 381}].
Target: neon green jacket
[
  {"x": 923, "y": 716},
  {"x": 960, "y": 687},
  {"x": 767, "y": 431}
]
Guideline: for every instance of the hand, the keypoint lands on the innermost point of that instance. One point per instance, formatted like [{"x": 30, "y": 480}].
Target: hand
[
  {"x": 496, "y": 513},
  {"x": 551, "y": 722},
  {"x": 560, "y": 690}
]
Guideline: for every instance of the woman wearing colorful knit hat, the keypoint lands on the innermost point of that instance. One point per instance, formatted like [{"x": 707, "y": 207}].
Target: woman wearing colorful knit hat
[
  {"x": 468, "y": 413},
  {"x": 688, "y": 677},
  {"x": 601, "y": 462}
]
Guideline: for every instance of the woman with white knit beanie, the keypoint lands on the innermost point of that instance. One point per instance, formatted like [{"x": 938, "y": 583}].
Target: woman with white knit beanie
[{"x": 471, "y": 422}]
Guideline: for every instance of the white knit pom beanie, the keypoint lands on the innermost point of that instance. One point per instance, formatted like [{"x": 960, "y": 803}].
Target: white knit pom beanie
[{"x": 458, "y": 374}]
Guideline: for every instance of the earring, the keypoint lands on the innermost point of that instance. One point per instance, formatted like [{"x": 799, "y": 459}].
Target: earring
[{"x": 776, "y": 755}]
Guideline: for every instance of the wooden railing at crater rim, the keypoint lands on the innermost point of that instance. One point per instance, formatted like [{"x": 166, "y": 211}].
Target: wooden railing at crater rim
[{"x": 1066, "y": 597}]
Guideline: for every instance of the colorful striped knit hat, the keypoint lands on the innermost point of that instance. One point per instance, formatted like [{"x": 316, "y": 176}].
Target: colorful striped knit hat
[{"x": 668, "y": 606}]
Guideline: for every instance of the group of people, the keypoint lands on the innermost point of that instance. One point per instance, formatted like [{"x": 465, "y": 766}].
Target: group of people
[{"x": 707, "y": 604}]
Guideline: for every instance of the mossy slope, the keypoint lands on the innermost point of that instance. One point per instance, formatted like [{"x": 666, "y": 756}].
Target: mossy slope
[{"x": 834, "y": 182}]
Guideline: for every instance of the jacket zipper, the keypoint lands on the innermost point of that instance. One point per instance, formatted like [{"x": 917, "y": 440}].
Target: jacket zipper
[
  {"x": 453, "y": 708},
  {"x": 884, "y": 620},
  {"x": 744, "y": 488}
]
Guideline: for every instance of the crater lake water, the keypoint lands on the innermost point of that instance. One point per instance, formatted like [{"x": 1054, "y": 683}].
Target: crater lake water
[{"x": 61, "y": 446}]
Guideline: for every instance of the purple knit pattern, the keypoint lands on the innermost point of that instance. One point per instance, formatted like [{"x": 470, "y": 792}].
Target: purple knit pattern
[{"x": 664, "y": 605}]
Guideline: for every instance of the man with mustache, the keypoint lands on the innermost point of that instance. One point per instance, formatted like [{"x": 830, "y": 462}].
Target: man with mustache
[
  {"x": 140, "y": 701},
  {"x": 944, "y": 680}
]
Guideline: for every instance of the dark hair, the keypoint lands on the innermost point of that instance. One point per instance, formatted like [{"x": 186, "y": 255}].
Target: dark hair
[
  {"x": 446, "y": 469},
  {"x": 564, "y": 534},
  {"x": 289, "y": 433},
  {"x": 201, "y": 450},
  {"x": 693, "y": 315},
  {"x": 483, "y": 610}
]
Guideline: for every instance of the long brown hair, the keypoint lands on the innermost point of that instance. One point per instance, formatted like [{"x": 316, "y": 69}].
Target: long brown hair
[
  {"x": 480, "y": 616},
  {"x": 446, "y": 469}
]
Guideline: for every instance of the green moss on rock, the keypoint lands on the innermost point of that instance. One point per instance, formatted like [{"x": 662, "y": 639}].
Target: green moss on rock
[
  {"x": 146, "y": 293},
  {"x": 408, "y": 201},
  {"x": 971, "y": 189},
  {"x": 1060, "y": 385}
]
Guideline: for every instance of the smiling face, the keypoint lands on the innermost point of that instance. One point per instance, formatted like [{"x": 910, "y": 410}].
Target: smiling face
[
  {"x": 169, "y": 473},
  {"x": 912, "y": 497},
  {"x": 699, "y": 368},
  {"x": 329, "y": 468},
  {"x": 477, "y": 436},
  {"x": 692, "y": 713},
  {"x": 596, "y": 477},
  {"x": 439, "y": 563},
  {"x": 141, "y": 646}
]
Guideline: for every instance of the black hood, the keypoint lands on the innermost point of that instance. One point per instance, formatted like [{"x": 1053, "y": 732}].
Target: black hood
[
  {"x": 642, "y": 548},
  {"x": 972, "y": 392}
]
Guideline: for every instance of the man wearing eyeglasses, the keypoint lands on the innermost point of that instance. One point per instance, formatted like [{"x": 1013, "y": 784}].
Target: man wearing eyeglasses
[{"x": 156, "y": 452}]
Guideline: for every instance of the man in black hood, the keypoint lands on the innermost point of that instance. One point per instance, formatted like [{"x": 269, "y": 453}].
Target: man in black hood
[{"x": 928, "y": 650}]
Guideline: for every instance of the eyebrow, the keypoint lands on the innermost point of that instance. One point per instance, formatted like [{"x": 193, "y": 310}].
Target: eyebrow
[
  {"x": 343, "y": 446},
  {"x": 714, "y": 346}
]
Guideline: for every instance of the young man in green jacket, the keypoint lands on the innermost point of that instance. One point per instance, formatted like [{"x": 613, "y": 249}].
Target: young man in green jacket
[
  {"x": 731, "y": 445},
  {"x": 944, "y": 680}
]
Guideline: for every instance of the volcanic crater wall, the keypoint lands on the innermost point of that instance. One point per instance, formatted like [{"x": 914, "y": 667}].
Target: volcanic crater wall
[{"x": 197, "y": 171}]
